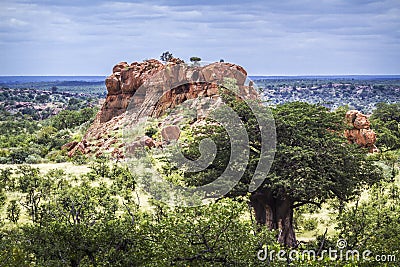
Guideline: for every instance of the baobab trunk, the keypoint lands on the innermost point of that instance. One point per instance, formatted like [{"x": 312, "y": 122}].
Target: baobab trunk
[{"x": 275, "y": 213}]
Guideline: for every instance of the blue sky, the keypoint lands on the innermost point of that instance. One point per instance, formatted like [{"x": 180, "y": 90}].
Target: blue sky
[{"x": 295, "y": 37}]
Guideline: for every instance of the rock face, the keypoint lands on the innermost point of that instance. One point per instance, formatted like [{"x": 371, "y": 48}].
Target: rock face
[
  {"x": 150, "y": 84},
  {"x": 123, "y": 83},
  {"x": 360, "y": 132}
]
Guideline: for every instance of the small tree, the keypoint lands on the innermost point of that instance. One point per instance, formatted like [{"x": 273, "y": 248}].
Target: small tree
[
  {"x": 13, "y": 211},
  {"x": 195, "y": 60},
  {"x": 166, "y": 56},
  {"x": 35, "y": 188},
  {"x": 3, "y": 198}
]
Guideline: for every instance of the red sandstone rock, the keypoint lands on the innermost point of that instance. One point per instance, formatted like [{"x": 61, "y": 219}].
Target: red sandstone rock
[
  {"x": 69, "y": 146},
  {"x": 361, "y": 133},
  {"x": 120, "y": 66},
  {"x": 126, "y": 80},
  {"x": 176, "y": 83},
  {"x": 357, "y": 119},
  {"x": 113, "y": 85},
  {"x": 147, "y": 141}
]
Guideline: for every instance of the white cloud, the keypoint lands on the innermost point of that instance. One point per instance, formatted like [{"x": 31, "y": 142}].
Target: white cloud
[{"x": 13, "y": 22}]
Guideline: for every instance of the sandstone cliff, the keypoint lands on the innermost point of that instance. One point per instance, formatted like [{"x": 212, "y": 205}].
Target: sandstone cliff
[{"x": 156, "y": 87}]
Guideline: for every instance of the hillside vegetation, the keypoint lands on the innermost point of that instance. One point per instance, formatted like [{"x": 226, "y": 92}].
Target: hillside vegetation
[{"x": 95, "y": 215}]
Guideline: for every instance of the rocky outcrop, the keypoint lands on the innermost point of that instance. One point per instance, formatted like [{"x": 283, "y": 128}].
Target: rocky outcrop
[
  {"x": 153, "y": 88},
  {"x": 150, "y": 88},
  {"x": 360, "y": 132}
]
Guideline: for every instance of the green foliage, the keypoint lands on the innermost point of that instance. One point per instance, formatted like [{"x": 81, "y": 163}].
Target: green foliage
[
  {"x": 386, "y": 122},
  {"x": 34, "y": 187},
  {"x": 23, "y": 140},
  {"x": 99, "y": 168},
  {"x": 166, "y": 56},
  {"x": 208, "y": 236},
  {"x": 58, "y": 156},
  {"x": 3, "y": 198},
  {"x": 123, "y": 180},
  {"x": 374, "y": 224},
  {"x": 13, "y": 211},
  {"x": 79, "y": 158},
  {"x": 195, "y": 60},
  {"x": 313, "y": 161},
  {"x": 151, "y": 131},
  {"x": 11, "y": 251},
  {"x": 85, "y": 223},
  {"x": 7, "y": 181},
  {"x": 72, "y": 118},
  {"x": 310, "y": 224}
]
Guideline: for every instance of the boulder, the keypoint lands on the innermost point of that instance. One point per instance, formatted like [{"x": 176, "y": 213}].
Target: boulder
[
  {"x": 357, "y": 119},
  {"x": 69, "y": 146},
  {"x": 146, "y": 141},
  {"x": 170, "y": 133},
  {"x": 360, "y": 132},
  {"x": 120, "y": 66},
  {"x": 113, "y": 86},
  {"x": 133, "y": 147}
]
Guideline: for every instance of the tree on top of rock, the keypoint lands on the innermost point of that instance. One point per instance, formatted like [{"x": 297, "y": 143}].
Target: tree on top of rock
[
  {"x": 195, "y": 60},
  {"x": 166, "y": 56}
]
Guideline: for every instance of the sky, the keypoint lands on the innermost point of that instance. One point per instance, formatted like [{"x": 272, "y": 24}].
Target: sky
[{"x": 294, "y": 37}]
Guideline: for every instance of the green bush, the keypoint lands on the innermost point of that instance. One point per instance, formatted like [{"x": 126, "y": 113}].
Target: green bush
[
  {"x": 310, "y": 224},
  {"x": 33, "y": 159}
]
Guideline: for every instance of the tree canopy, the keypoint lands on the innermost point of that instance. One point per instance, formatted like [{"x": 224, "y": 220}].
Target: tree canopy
[
  {"x": 313, "y": 162},
  {"x": 386, "y": 122},
  {"x": 166, "y": 56}
]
